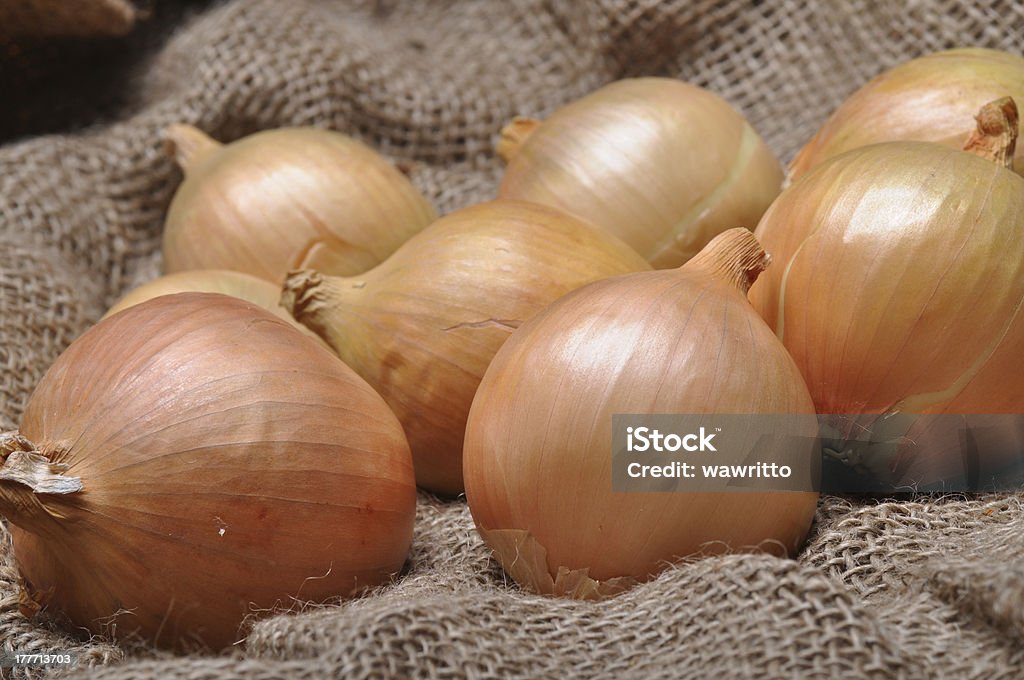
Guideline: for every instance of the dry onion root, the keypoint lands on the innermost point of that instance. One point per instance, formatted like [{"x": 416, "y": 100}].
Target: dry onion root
[
  {"x": 284, "y": 199},
  {"x": 897, "y": 289},
  {"x": 929, "y": 99},
  {"x": 538, "y": 449},
  {"x": 662, "y": 164},
  {"x": 194, "y": 460},
  {"x": 422, "y": 327}
]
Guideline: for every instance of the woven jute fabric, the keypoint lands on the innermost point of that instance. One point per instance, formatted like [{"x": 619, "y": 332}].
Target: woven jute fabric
[{"x": 921, "y": 587}]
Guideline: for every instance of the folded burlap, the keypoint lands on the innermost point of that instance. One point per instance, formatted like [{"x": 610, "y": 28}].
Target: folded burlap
[{"x": 927, "y": 587}]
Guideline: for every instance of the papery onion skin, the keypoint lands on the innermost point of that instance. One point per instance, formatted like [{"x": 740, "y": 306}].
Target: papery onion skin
[
  {"x": 423, "y": 326},
  {"x": 287, "y": 198},
  {"x": 229, "y": 464},
  {"x": 929, "y": 99},
  {"x": 897, "y": 288},
  {"x": 538, "y": 441},
  {"x": 662, "y": 164}
]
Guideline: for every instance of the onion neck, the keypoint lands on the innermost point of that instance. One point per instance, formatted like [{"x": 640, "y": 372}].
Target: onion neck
[
  {"x": 187, "y": 145},
  {"x": 28, "y": 476},
  {"x": 995, "y": 137},
  {"x": 513, "y": 135},
  {"x": 734, "y": 256},
  {"x": 314, "y": 299}
]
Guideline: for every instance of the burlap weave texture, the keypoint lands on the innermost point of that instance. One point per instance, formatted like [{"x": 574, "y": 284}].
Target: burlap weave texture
[{"x": 926, "y": 587}]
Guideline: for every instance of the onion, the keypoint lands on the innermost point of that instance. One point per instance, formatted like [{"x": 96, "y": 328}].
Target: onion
[
  {"x": 929, "y": 99},
  {"x": 422, "y": 327},
  {"x": 237, "y": 284},
  {"x": 283, "y": 199},
  {"x": 195, "y": 460},
  {"x": 538, "y": 440},
  {"x": 662, "y": 164},
  {"x": 898, "y": 287}
]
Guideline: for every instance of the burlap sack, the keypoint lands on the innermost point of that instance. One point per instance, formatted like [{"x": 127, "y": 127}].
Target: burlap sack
[{"x": 920, "y": 588}]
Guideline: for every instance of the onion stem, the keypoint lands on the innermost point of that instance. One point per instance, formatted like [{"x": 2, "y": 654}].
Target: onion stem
[
  {"x": 188, "y": 144},
  {"x": 734, "y": 255},
  {"x": 513, "y": 135},
  {"x": 25, "y": 464},
  {"x": 27, "y": 476},
  {"x": 995, "y": 137}
]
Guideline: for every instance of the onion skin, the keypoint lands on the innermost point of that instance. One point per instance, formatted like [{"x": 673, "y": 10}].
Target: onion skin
[
  {"x": 236, "y": 284},
  {"x": 287, "y": 198},
  {"x": 662, "y": 164},
  {"x": 929, "y": 99},
  {"x": 897, "y": 289},
  {"x": 228, "y": 464},
  {"x": 423, "y": 326},
  {"x": 239, "y": 285},
  {"x": 538, "y": 441}
]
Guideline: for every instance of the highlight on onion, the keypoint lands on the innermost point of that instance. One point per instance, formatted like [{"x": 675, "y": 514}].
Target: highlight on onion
[
  {"x": 538, "y": 446},
  {"x": 897, "y": 288},
  {"x": 929, "y": 99},
  {"x": 194, "y": 461},
  {"x": 284, "y": 199},
  {"x": 423, "y": 326},
  {"x": 662, "y": 164}
]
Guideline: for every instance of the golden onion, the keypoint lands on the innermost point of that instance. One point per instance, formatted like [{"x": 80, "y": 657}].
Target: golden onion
[
  {"x": 662, "y": 164},
  {"x": 423, "y": 326},
  {"x": 538, "y": 449},
  {"x": 195, "y": 461},
  {"x": 236, "y": 284},
  {"x": 929, "y": 99},
  {"x": 283, "y": 199},
  {"x": 897, "y": 288}
]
